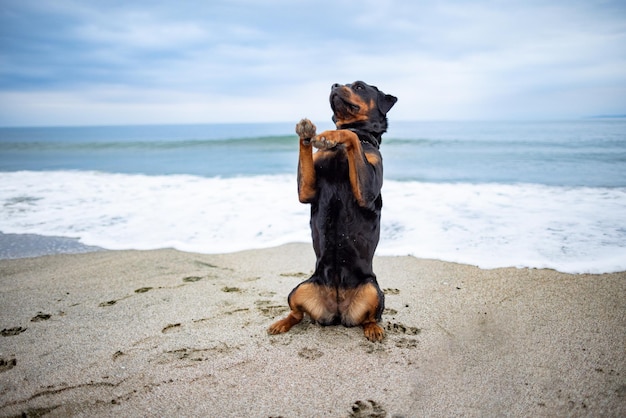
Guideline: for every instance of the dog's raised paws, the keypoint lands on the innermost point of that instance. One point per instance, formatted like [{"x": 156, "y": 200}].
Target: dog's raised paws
[
  {"x": 305, "y": 129},
  {"x": 323, "y": 142}
]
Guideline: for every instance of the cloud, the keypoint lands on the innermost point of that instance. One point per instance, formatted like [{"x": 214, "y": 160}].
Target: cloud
[{"x": 84, "y": 62}]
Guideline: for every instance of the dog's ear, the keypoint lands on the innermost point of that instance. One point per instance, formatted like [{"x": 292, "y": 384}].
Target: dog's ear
[{"x": 385, "y": 102}]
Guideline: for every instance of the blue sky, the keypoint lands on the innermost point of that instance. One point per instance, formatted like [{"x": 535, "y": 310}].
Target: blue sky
[{"x": 66, "y": 62}]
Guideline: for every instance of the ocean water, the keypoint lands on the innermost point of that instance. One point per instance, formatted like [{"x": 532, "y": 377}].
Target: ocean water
[{"x": 543, "y": 194}]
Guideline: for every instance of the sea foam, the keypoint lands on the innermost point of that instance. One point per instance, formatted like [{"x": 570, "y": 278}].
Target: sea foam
[{"x": 570, "y": 229}]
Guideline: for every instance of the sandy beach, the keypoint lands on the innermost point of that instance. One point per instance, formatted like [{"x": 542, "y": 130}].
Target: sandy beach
[{"x": 167, "y": 333}]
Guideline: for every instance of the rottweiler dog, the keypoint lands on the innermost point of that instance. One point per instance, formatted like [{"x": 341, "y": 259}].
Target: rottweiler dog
[{"x": 342, "y": 182}]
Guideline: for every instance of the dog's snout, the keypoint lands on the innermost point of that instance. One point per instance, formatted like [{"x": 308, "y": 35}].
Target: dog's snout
[{"x": 335, "y": 86}]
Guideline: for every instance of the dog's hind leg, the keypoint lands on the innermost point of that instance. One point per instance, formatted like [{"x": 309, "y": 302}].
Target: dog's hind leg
[
  {"x": 285, "y": 324},
  {"x": 319, "y": 302},
  {"x": 362, "y": 306}
]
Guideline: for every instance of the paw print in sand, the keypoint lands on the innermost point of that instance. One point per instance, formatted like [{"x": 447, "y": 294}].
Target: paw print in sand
[{"x": 367, "y": 409}]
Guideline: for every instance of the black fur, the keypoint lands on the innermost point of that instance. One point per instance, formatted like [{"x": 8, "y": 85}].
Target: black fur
[
  {"x": 346, "y": 233},
  {"x": 377, "y": 124}
]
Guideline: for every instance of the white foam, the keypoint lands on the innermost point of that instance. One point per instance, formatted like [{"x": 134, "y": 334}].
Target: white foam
[{"x": 574, "y": 230}]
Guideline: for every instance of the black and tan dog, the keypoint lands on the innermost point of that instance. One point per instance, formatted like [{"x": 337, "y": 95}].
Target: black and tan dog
[{"x": 342, "y": 182}]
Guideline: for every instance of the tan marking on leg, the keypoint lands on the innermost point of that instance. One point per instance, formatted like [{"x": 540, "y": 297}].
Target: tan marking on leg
[
  {"x": 354, "y": 153},
  {"x": 306, "y": 170},
  {"x": 319, "y": 302},
  {"x": 359, "y": 304},
  {"x": 285, "y": 324},
  {"x": 358, "y": 307},
  {"x": 307, "y": 180},
  {"x": 373, "y": 159},
  {"x": 373, "y": 331}
]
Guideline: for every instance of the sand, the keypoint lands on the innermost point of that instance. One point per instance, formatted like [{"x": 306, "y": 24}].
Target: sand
[{"x": 167, "y": 333}]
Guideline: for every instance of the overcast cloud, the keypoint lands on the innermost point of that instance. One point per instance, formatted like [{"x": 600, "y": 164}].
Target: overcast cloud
[{"x": 67, "y": 62}]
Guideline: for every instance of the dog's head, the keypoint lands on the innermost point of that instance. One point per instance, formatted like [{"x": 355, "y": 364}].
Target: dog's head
[{"x": 360, "y": 106}]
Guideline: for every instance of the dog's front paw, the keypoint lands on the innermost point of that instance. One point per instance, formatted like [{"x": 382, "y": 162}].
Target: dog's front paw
[
  {"x": 305, "y": 129},
  {"x": 325, "y": 140}
]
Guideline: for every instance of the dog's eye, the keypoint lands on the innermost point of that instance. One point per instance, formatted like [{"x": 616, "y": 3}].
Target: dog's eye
[{"x": 358, "y": 87}]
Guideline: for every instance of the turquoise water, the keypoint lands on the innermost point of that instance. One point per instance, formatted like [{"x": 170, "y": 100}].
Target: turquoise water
[
  {"x": 590, "y": 152},
  {"x": 525, "y": 194}
]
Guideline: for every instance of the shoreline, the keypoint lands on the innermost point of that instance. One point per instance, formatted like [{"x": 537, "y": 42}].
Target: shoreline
[
  {"x": 15, "y": 246},
  {"x": 165, "y": 332},
  {"x": 18, "y": 245}
]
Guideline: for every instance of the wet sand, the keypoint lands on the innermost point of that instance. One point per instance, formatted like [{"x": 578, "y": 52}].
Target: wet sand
[
  {"x": 167, "y": 333},
  {"x": 32, "y": 245}
]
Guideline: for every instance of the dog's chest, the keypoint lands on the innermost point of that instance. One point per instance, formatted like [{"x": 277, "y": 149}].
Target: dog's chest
[{"x": 332, "y": 166}]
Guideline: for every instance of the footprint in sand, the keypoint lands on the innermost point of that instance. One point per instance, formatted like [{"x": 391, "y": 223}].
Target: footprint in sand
[
  {"x": 114, "y": 301},
  {"x": 203, "y": 264},
  {"x": 7, "y": 364},
  {"x": 367, "y": 409},
  {"x": 196, "y": 354},
  {"x": 298, "y": 274},
  {"x": 40, "y": 317},
  {"x": 406, "y": 343},
  {"x": 310, "y": 353},
  {"x": 267, "y": 309},
  {"x": 8, "y": 332},
  {"x": 170, "y": 328},
  {"x": 396, "y": 328},
  {"x": 191, "y": 279}
]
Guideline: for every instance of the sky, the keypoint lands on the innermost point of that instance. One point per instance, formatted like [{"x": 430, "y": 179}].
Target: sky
[{"x": 119, "y": 62}]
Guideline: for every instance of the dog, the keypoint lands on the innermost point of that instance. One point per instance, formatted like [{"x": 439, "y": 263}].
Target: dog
[{"x": 342, "y": 182}]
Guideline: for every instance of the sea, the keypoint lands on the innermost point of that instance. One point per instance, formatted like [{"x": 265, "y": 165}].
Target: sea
[{"x": 536, "y": 194}]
